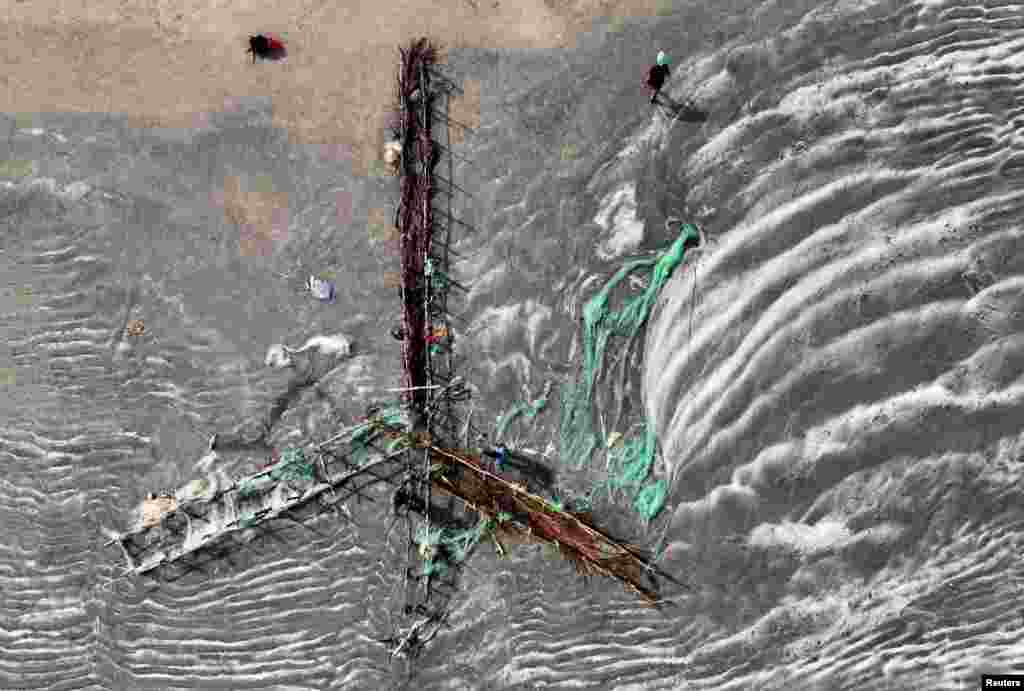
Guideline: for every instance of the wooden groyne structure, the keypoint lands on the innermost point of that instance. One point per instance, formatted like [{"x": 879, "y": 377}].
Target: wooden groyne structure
[
  {"x": 425, "y": 222},
  {"x": 519, "y": 516},
  {"x": 418, "y": 448},
  {"x": 414, "y": 216},
  {"x": 196, "y": 525}
]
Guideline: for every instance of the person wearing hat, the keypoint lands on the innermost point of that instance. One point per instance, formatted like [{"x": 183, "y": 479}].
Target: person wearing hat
[{"x": 657, "y": 75}]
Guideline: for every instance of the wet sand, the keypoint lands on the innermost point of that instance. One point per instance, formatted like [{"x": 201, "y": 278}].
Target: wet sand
[{"x": 839, "y": 424}]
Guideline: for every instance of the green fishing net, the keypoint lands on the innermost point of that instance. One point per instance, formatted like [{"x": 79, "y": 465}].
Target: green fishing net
[
  {"x": 292, "y": 466},
  {"x": 439, "y": 547},
  {"x": 247, "y": 489},
  {"x": 388, "y": 417},
  {"x": 632, "y": 461},
  {"x": 650, "y": 499},
  {"x": 529, "y": 410},
  {"x": 439, "y": 280}
]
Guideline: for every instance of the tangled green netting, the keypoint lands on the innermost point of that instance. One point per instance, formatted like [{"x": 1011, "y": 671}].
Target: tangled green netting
[
  {"x": 632, "y": 461},
  {"x": 247, "y": 489},
  {"x": 292, "y": 466},
  {"x": 389, "y": 416},
  {"x": 439, "y": 279},
  {"x": 440, "y": 547},
  {"x": 529, "y": 410},
  {"x": 570, "y": 504}
]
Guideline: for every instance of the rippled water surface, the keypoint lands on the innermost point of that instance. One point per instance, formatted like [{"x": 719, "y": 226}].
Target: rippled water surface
[{"x": 835, "y": 378}]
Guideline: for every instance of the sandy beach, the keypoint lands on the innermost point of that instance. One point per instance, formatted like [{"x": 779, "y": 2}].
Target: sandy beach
[
  {"x": 170, "y": 64},
  {"x": 832, "y": 382}
]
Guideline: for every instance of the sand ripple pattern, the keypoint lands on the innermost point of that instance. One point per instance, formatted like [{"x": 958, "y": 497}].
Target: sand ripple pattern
[
  {"x": 76, "y": 451},
  {"x": 842, "y": 426}
]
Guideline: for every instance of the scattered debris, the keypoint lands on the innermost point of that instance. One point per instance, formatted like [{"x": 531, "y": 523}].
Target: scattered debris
[
  {"x": 336, "y": 345},
  {"x": 135, "y": 327},
  {"x": 23, "y": 295},
  {"x": 154, "y": 508},
  {"x": 393, "y": 155},
  {"x": 321, "y": 289},
  {"x": 16, "y": 169},
  {"x": 410, "y": 643},
  {"x": 438, "y": 334}
]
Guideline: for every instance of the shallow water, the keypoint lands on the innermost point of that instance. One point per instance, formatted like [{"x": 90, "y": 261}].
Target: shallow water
[{"x": 838, "y": 412}]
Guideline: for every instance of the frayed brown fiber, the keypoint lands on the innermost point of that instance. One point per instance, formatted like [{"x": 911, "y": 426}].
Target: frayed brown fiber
[
  {"x": 415, "y": 215},
  {"x": 590, "y": 551}
]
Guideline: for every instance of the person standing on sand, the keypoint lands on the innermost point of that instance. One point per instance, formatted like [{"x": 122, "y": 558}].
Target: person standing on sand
[
  {"x": 657, "y": 75},
  {"x": 266, "y": 47}
]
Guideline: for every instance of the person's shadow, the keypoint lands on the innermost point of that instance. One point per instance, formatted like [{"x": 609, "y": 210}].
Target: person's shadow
[{"x": 687, "y": 112}]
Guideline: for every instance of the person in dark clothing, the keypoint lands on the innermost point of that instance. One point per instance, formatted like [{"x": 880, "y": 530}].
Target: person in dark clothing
[
  {"x": 656, "y": 78},
  {"x": 266, "y": 47},
  {"x": 258, "y": 45},
  {"x": 657, "y": 75}
]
